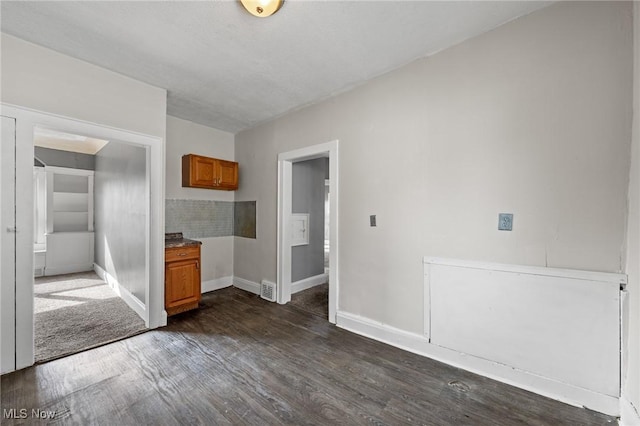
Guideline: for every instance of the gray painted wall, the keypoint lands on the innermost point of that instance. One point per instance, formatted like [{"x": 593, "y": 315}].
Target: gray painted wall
[
  {"x": 59, "y": 158},
  {"x": 121, "y": 202},
  {"x": 512, "y": 121},
  {"x": 308, "y": 197}
]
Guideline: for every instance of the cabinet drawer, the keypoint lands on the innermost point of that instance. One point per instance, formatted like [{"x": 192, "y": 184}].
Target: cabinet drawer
[{"x": 181, "y": 253}]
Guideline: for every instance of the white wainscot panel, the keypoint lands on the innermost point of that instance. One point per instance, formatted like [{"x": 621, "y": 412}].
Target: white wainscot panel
[
  {"x": 553, "y": 325},
  {"x": 69, "y": 252}
]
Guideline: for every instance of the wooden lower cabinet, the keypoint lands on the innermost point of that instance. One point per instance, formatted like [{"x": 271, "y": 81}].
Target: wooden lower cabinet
[{"x": 182, "y": 279}]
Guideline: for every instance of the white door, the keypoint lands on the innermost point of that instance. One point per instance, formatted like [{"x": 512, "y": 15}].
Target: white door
[{"x": 7, "y": 245}]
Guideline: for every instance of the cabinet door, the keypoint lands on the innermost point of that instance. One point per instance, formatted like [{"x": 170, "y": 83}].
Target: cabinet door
[
  {"x": 227, "y": 173},
  {"x": 182, "y": 282},
  {"x": 203, "y": 171}
]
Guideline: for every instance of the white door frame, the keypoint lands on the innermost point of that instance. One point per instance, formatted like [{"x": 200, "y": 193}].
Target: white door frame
[
  {"x": 7, "y": 246},
  {"x": 26, "y": 121},
  {"x": 285, "y": 167}
]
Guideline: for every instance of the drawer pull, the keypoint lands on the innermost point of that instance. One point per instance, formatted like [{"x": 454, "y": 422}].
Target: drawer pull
[{"x": 182, "y": 254}]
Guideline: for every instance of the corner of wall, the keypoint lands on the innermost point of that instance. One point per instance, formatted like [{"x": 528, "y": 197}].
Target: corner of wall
[{"x": 630, "y": 391}]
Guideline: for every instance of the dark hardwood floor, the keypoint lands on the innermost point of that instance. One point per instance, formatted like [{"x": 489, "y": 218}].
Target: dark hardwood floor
[
  {"x": 314, "y": 300},
  {"x": 241, "y": 360}
]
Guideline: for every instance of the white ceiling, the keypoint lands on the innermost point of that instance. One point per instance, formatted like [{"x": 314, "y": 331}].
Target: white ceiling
[
  {"x": 227, "y": 69},
  {"x": 67, "y": 142}
]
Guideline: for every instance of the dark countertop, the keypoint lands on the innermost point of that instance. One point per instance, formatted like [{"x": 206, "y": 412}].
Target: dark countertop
[{"x": 175, "y": 239}]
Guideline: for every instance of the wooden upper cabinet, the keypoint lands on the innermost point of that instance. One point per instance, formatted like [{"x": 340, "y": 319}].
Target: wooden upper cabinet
[
  {"x": 210, "y": 173},
  {"x": 202, "y": 172},
  {"x": 227, "y": 173}
]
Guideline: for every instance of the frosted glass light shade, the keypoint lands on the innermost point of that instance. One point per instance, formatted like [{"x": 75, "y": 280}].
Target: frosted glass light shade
[{"x": 262, "y": 8}]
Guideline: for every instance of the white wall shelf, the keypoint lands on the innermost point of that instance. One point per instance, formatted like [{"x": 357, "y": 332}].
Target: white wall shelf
[
  {"x": 69, "y": 200},
  {"x": 69, "y": 220}
]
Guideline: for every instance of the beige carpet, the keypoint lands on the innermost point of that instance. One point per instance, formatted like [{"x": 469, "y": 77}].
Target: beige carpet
[
  {"x": 78, "y": 311},
  {"x": 314, "y": 300}
]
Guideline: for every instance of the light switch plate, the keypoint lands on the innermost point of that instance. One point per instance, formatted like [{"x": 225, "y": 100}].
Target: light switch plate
[
  {"x": 505, "y": 221},
  {"x": 372, "y": 220}
]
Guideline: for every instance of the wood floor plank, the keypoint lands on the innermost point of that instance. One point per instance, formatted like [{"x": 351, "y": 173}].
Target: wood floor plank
[{"x": 242, "y": 360}]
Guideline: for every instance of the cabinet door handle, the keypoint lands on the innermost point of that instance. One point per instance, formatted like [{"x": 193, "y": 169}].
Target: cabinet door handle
[{"x": 197, "y": 264}]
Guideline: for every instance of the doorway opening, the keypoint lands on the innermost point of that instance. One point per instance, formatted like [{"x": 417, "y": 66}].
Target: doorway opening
[
  {"x": 310, "y": 244},
  {"x": 89, "y": 227},
  {"x": 308, "y": 229},
  {"x": 147, "y": 300}
]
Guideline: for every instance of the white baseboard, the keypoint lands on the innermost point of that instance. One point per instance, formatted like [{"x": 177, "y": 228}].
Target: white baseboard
[
  {"x": 628, "y": 413},
  {"x": 247, "y": 285},
  {"x": 67, "y": 269},
  {"x": 216, "y": 284},
  {"x": 132, "y": 301},
  {"x": 309, "y": 282},
  {"x": 420, "y": 345}
]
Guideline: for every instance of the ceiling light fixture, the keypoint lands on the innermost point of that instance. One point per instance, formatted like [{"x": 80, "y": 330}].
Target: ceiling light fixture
[{"x": 262, "y": 8}]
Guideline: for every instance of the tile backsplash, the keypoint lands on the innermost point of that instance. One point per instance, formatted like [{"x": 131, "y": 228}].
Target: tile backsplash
[
  {"x": 244, "y": 219},
  {"x": 205, "y": 218}
]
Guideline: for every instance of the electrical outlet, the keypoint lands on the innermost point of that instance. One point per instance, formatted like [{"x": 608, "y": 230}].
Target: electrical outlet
[
  {"x": 372, "y": 220},
  {"x": 505, "y": 221}
]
